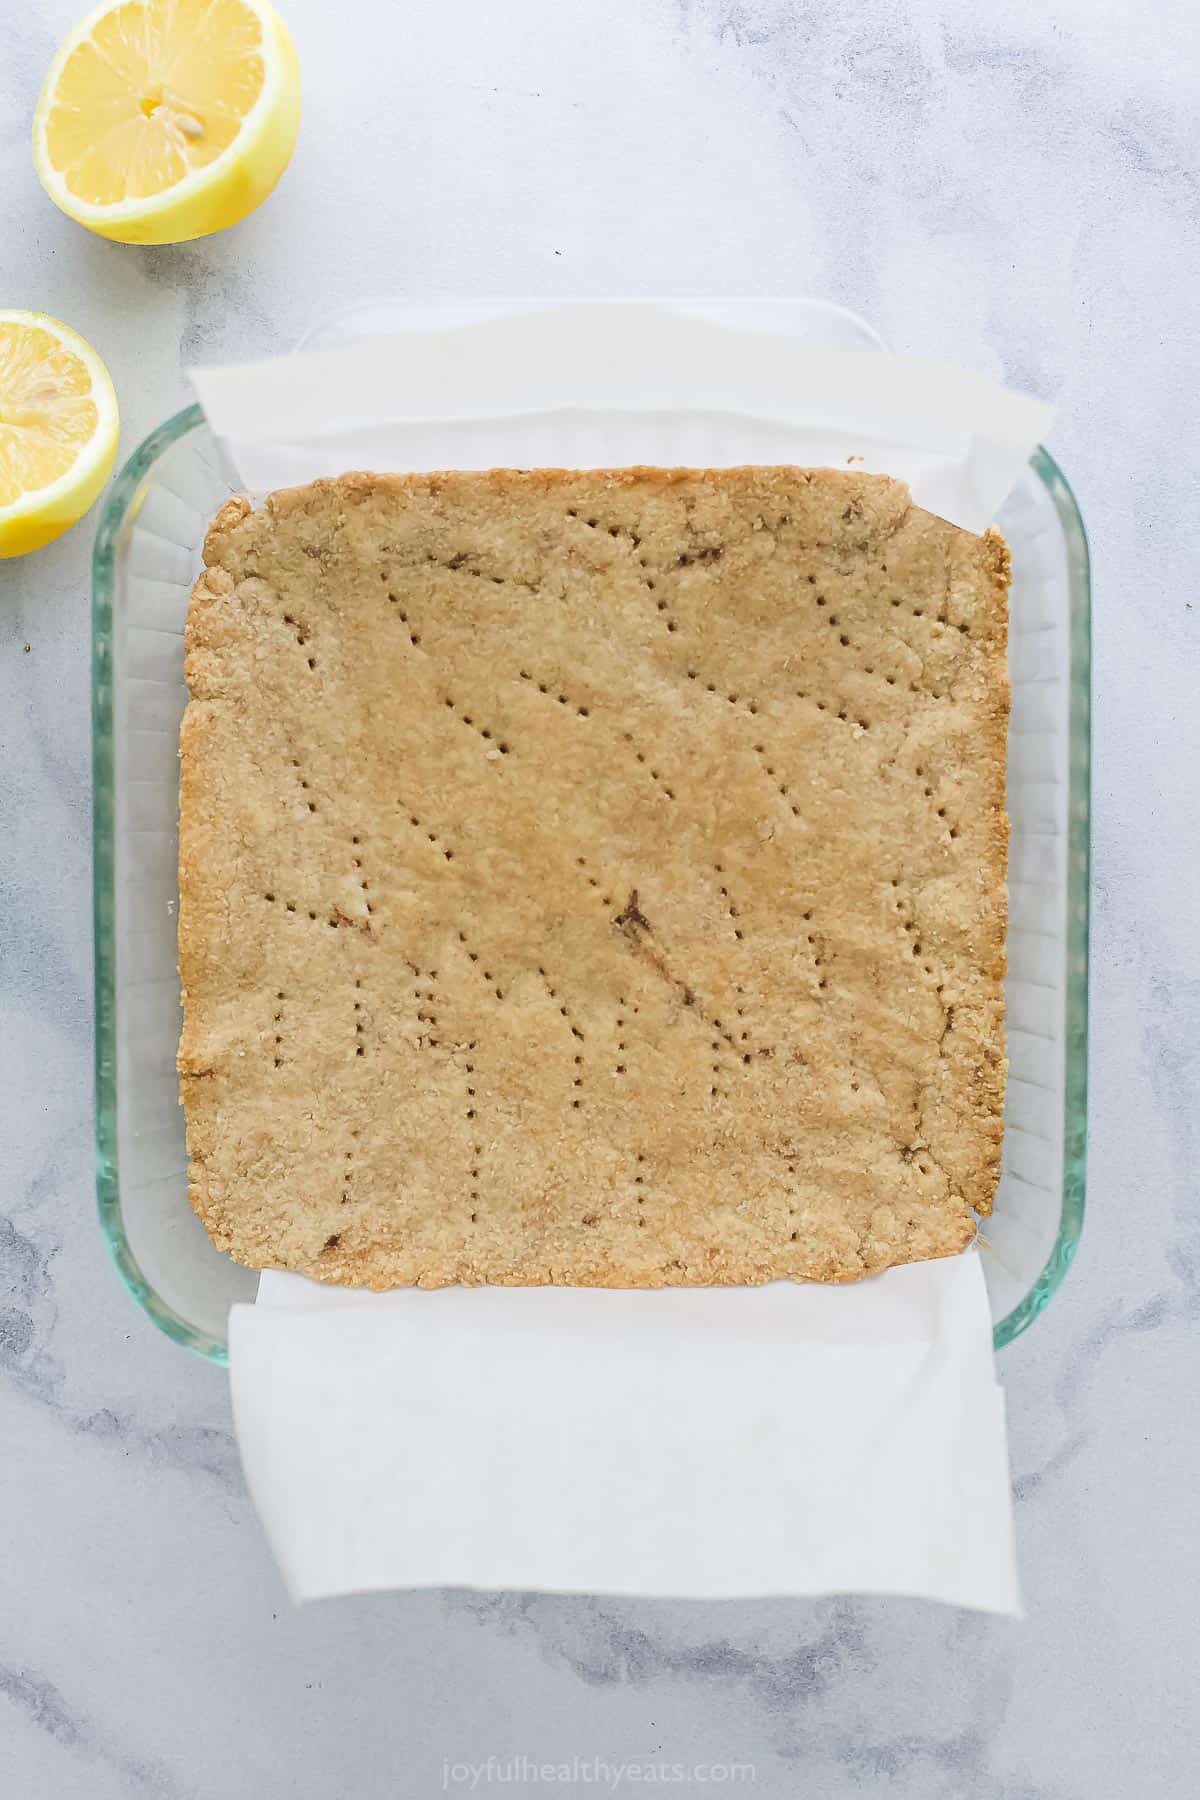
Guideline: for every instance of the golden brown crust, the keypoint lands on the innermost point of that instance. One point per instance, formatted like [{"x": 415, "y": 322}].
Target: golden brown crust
[{"x": 593, "y": 878}]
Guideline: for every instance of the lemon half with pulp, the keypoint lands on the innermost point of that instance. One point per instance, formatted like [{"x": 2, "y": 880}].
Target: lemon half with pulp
[
  {"x": 164, "y": 120},
  {"x": 58, "y": 429}
]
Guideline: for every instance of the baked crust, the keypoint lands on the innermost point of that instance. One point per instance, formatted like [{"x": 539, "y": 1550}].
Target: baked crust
[{"x": 593, "y": 878}]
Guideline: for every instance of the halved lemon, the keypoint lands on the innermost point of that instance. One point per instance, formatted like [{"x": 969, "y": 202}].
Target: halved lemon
[
  {"x": 163, "y": 120},
  {"x": 58, "y": 429}
]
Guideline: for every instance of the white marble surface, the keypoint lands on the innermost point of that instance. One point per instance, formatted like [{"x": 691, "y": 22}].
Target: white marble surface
[{"x": 1012, "y": 186}]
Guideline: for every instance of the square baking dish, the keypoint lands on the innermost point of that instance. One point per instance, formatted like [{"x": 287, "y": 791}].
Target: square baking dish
[{"x": 147, "y": 554}]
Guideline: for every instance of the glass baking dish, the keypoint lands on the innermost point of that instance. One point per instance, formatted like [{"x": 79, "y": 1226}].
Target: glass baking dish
[{"x": 147, "y": 554}]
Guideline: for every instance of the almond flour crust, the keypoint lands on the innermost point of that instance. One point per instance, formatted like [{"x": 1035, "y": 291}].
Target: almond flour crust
[{"x": 593, "y": 878}]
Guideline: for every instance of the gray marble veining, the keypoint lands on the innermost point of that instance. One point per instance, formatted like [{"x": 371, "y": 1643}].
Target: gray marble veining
[{"x": 1013, "y": 188}]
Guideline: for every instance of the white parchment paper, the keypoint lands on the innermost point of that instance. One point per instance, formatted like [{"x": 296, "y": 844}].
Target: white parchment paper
[
  {"x": 792, "y": 1439},
  {"x": 777, "y": 1440}
]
